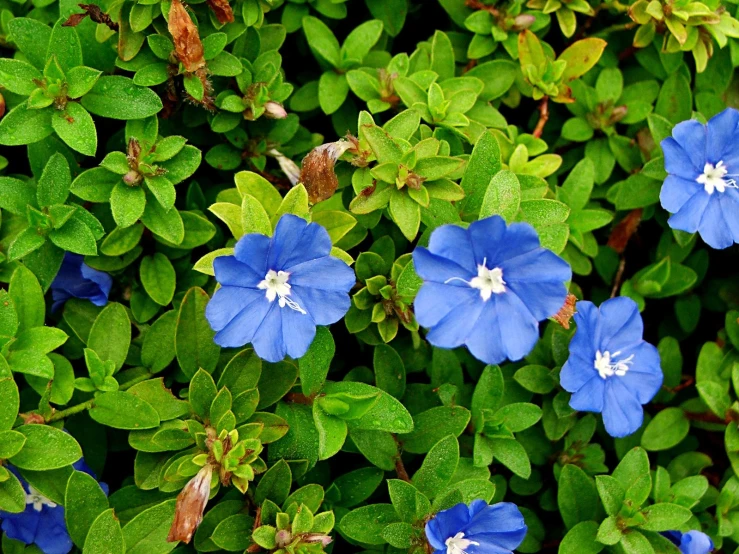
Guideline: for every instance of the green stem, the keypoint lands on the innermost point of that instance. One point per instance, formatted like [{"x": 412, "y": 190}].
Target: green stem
[{"x": 72, "y": 410}]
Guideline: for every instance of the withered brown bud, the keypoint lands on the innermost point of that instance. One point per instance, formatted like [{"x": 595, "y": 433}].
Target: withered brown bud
[
  {"x": 187, "y": 44},
  {"x": 318, "y": 173},
  {"x": 191, "y": 505},
  {"x": 134, "y": 151},
  {"x": 565, "y": 313},
  {"x": 223, "y": 10},
  {"x": 2, "y": 105},
  {"x": 288, "y": 167},
  {"x": 274, "y": 110},
  {"x": 95, "y": 13},
  {"x": 623, "y": 232}
]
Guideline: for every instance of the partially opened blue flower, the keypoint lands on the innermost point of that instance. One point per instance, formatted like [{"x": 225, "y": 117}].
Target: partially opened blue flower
[
  {"x": 42, "y": 522},
  {"x": 274, "y": 291},
  {"x": 611, "y": 369},
  {"x": 692, "y": 542},
  {"x": 477, "y": 529},
  {"x": 488, "y": 287},
  {"x": 701, "y": 188},
  {"x": 76, "y": 279}
]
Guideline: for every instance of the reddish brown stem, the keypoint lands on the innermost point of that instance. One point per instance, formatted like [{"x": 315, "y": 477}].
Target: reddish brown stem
[
  {"x": 543, "y": 117},
  {"x": 298, "y": 398},
  {"x": 687, "y": 381}
]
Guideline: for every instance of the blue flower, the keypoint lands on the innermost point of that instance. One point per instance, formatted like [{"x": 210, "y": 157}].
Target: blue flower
[
  {"x": 477, "y": 529},
  {"x": 76, "y": 279},
  {"x": 701, "y": 189},
  {"x": 692, "y": 542},
  {"x": 611, "y": 369},
  {"x": 274, "y": 291},
  {"x": 42, "y": 522},
  {"x": 488, "y": 287}
]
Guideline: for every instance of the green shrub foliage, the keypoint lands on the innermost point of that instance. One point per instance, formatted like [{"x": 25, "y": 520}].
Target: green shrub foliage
[{"x": 142, "y": 139}]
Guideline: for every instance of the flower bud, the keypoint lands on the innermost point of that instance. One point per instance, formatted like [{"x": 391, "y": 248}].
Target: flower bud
[
  {"x": 325, "y": 540},
  {"x": 222, "y": 9},
  {"x": 187, "y": 44},
  {"x": 318, "y": 173},
  {"x": 288, "y": 167},
  {"x": 190, "y": 505},
  {"x": 523, "y": 21},
  {"x": 274, "y": 110}
]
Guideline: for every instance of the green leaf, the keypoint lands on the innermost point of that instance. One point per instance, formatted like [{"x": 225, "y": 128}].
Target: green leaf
[
  {"x": 76, "y": 128},
  {"x": 41, "y": 340},
  {"x": 322, "y": 40},
  {"x": 167, "y": 224},
  {"x": 123, "y": 410},
  {"x": 23, "y": 125},
  {"x": 12, "y": 497},
  {"x": 118, "y": 97},
  {"x": 15, "y": 195},
  {"x": 665, "y": 517},
  {"x": 105, "y": 536},
  {"x": 18, "y": 76},
  {"x": 581, "y": 539},
  {"x": 438, "y": 467},
  {"x": 53, "y": 185},
  {"x": 389, "y": 370},
  {"x": 46, "y": 448},
  {"x": 194, "y": 343},
  {"x": 11, "y": 443},
  {"x": 84, "y": 501},
  {"x": 512, "y": 455},
  {"x": 28, "y": 298},
  {"x": 333, "y": 89},
  {"x": 110, "y": 335},
  {"x": 503, "y": 196},
  {"x": 433, "y": 425},
  {"x": 158, "y": 278},
  {"x": 147, "y": 532},
  {"x": 254, "y": 218},
  {"x": 483, "y": 165},
  {"x": 274, "y": 484},
  {"x": 76, "y": 237},
  {"x": 314, "y": 364},
  {"x": 360, "y": 41},
  {"x": 666, "y": 430},
  {"x": 64, "y": 45},
  {"x": 577, "y": 496},
  {"x": 365, "y": 524},
  {"x": 581, "y": 56}
]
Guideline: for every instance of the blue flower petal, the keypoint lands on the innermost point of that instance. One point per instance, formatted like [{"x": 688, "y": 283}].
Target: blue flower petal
[
  {"x": 434, "y": 301},
  {"x": 103, "y": 281},
  {"x": 722, "y": 133},
  {"x": 486, "y": 545},
  {"x": 644, "y": 377},
  {"x": 445, "y": 524},
  {"x": 691, "y": 136},
  {"x": 485, "y": 342},
  {"x": 460, "y": 322},
  {"x": 268, "y": 341},
  {"x": 622, "y": 412},
  {"x": 298, "y": 331},
  {"x": 324, "y": 306},
  {"x": 231, "y": 272},
  {"x": 689, "y": 217},
  {"x": 730, "y": 208},
  {"x": 696, "y": 542},
  {"x": 590, "y": 396},
  {"x": 519, "y": 328},
  {"x": 295, "y": 241},
  {"x": 76, "y": 279},
  {"x": 438, "y": 269},
  {"x": 315, "y": 242},
  {"x": 676, "y": 191},
  {"x": 620, "y": 326},
  {"x": 714, "y": 229},
  {"x": 503, "y": 518},
  {"x": 453, "y": 242},
  {"x": 53, "y": 538},
  {"x": 242, "y": 328},
  {"x": 20, "y": 527},
  {"x": 325, "y": 273},
  {"x": 497, "y": 247},
  {"x": 252, "y": 250},
  {"x": 677, "y": 161},
  {"x": 228, "y": 302},
  {"x": 538, "y": 278}
]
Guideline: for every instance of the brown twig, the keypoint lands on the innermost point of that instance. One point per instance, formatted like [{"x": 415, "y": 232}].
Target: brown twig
[
  {"x": 687, "y": 381},
  {"x": 400, "y": 470},
  {"x": 543, "y": 117},
  {"x": 619, "y": 277}
]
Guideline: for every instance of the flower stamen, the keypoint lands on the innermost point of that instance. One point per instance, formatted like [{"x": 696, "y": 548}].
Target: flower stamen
[
  {"x": 276, "y": 286},
  {"x": 458, "y": 544},
  {"x": 38, "y": 500},
  {"x": 488, "y": 281},
  {"x": 607, "y": 365},
  {"x": 713, "y": 178}
]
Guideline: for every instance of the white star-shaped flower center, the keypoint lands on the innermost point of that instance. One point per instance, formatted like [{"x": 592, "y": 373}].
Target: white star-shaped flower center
[
  {"x": 488, "y": 281},
  {"x": 38, "y": 500},
  {"x": 458, "y": 544},
  {"x": 607, "y": 365},
  {"x": 713, "y": 178},
  {"x": 276, "y": 285}
]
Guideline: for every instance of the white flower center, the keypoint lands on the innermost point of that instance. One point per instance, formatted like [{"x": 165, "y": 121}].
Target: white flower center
[
  {"x": 488, "y": 281},
  {"x": 713, "y": 178},
  {"x": 38, "y": 500},
  {"x": 276, "y": 286},
  {"x": 607, "y": 365},
  {"x": 457, "y": 544}
]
